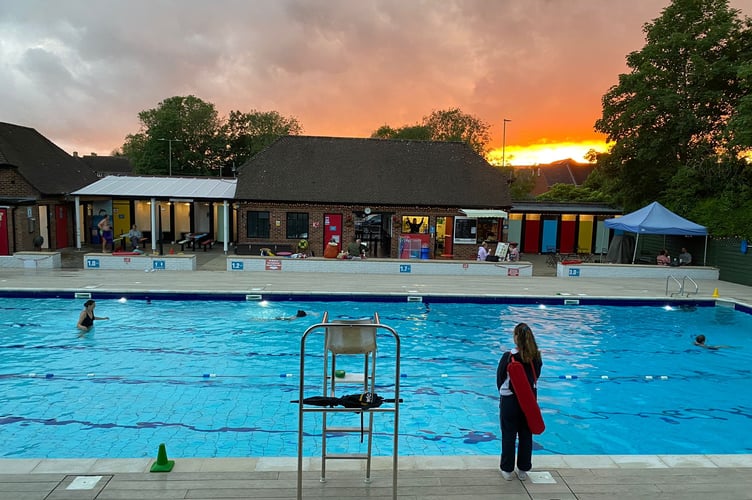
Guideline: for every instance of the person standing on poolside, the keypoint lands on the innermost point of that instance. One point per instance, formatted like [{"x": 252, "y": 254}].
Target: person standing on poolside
[
  {"x": 483, "y": 251},
  {"x": 514, "y": 425},
  {"x": 87, "y": 317},
  {"x": 105, "y": 231}
]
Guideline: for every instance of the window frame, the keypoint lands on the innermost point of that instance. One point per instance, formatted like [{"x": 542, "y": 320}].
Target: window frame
[
  {"x": 254, "y": 220},
  {"x": 465, "y": 230},
  {"x": 294, "y": 220}
]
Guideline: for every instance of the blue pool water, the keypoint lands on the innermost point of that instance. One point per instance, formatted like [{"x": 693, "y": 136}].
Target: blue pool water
[{"x": 215, "y": 379}]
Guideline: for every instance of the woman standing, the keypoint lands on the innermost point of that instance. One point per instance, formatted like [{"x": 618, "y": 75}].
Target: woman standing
[
  {"x": 514, "y": 426},
  {"x": 87, "y": 317}
]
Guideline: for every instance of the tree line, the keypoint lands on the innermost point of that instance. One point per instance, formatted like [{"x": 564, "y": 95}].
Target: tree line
[{"x": 186, "y": 135}]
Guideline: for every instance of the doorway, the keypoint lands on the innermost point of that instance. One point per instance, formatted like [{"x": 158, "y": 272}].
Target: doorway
[{"x": 61, "y": 226}]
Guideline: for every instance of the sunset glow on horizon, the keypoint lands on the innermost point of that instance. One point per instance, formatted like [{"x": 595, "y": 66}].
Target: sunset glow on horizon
[{"x": 535, "y": 154}]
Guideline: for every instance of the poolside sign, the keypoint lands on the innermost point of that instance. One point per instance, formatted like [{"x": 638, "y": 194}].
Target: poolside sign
[
  {"x": 236, "y": 265},
  {"x": 574, "y": 272},
  {"x": 513, "y": 271},
  {"x": 273, "y": 265},
  {"x": 405, "y": 268},
  {"x": 92, "y": 263},
  {"x": 158, "y": 265}
]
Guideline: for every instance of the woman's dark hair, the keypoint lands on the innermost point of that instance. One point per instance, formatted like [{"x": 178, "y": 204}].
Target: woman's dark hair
[
  {"x": 88, "y": 303},
  {"x": 526, "y": 344}
]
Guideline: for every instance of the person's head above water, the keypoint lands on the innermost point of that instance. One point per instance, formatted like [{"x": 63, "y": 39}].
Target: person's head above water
[
  {"x": 700, "y": 339},
  {"x": 300, "y": 314}
]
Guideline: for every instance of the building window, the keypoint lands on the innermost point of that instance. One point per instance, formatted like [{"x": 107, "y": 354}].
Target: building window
[
  {"x": 258, "y": 224},
  {"x": 465, "y": 230},
  {"x": 414, "y": 224},
  {"x": 297, "y": 225}
]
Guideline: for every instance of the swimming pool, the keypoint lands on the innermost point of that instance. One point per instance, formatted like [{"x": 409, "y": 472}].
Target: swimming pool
[{"x": 215, "y": 378}]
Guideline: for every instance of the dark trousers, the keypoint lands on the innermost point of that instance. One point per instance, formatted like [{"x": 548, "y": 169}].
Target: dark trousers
[{"x": 513, "y": 428}]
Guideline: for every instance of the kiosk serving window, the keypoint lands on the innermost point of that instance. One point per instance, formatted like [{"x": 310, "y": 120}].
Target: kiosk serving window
[{"x": 465, "y": 230}]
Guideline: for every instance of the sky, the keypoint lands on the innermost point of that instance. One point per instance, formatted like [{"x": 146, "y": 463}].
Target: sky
[{"x": 79, "y": 72}]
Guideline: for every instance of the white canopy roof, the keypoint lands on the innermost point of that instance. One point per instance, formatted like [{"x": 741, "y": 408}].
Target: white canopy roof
[
  {"x": 205, "y": 188},
  {"x": 488, "y": 213}
]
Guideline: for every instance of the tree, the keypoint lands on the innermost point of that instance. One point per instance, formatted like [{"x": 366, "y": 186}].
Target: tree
[
  {"x": 248, "y": 133},
  {"x": 200, "y": 142},
  {"x": 185, "y": 127},
  {"x": 570, "y": 193},
  {"x": 408, "y": 132},
  {"x": 669, "y": 116},
  {"x": 445, "y": 125},
  {"x": 521, "y": 182},
  {"x": 454, "y": 125}
]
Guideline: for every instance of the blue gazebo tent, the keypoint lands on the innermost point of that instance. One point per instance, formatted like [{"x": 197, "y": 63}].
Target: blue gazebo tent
[{"x": 657, "y": 219}]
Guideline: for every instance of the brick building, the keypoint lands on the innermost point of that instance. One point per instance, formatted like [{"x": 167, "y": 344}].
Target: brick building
[
  {"x": 36, "y": 178},
  {"x": 402, "y": 198}
]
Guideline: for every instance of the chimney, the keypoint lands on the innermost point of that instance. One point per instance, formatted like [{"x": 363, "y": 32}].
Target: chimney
[
  {"x": 93, "y": 154},
  {"x": 75, "y": 154}
]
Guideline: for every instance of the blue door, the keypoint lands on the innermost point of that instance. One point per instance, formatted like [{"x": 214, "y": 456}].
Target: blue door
[{"x": 548, "y": 242}]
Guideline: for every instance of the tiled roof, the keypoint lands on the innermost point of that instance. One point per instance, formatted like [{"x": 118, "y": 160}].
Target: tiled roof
[
  {"x": 372, "y": 171},
  {"x": 45, "y": 166},
  {"x": 109, "y": 164}
]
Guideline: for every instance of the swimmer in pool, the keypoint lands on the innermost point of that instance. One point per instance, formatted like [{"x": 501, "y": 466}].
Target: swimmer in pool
[
  {"x": 87, "y": 317},
  {"x": 700, "y": 342},
  {"x": 300, "y": 314}
]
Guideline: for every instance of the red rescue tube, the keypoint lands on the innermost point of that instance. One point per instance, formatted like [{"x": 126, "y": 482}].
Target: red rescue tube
[{"x": 525, "y": 396}]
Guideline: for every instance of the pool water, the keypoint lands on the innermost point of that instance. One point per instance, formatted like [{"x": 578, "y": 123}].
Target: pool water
[{"x": 215, "y": 379}]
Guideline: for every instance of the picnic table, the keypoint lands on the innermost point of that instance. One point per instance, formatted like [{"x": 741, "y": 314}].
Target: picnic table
[{"x": 191, "y": 239}]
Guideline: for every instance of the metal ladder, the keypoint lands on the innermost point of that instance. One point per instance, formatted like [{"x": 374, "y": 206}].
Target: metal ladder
[
  {"x": 348, "y": 337},
  {"x": 681, "y": 284}
]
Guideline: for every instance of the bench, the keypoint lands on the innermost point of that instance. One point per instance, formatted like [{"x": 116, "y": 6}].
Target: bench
[
  {"x": 207, "y": 243},
  {"x": 182, "y": 243}
]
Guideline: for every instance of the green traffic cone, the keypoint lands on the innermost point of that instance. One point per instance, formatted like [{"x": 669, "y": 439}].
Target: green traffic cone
[{"x": 162, "y": 464}]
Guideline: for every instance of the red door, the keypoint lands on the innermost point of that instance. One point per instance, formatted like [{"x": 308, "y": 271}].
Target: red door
[
  {"x": 332, "y": 229},
  {"x": 4, "y": 247},
  {"x": 566, "y": 243},
  {"x": 61, "y": 226},
  {"x": 531, "y": 243}
]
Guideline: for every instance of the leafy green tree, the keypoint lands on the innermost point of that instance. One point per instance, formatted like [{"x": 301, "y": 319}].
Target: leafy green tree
[
  {"x": 444, "y": 125},
  {"x": 408, "y": 132},
  {"x": 454, "y": 125},
  {"x": 669, "y": 116},
  {"x": 570, "y": 193},
  {"x": 200, "y": 141},
  {"x": 186, "y": 127},
  {"x": 248, "y": 133},
  {"x": 521, "y": 182}
]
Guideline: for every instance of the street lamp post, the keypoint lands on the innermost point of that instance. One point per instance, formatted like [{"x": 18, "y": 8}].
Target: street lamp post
[
  {"x": 504, "y": 144},
  {"x": 169, "y": 142}
]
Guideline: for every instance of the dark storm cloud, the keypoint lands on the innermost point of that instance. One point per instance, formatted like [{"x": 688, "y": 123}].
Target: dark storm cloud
[{"x": 81, "y": 71}]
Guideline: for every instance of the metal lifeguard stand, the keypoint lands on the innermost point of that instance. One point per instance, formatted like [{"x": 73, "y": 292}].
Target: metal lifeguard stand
[{"x": 349, "y": 337}]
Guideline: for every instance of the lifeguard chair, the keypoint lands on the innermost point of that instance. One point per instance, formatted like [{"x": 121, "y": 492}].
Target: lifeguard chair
[{"x": 348, "y": 337}]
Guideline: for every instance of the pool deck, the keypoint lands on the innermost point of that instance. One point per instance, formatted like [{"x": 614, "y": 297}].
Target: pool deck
[{"x": 457, "y": 477}]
